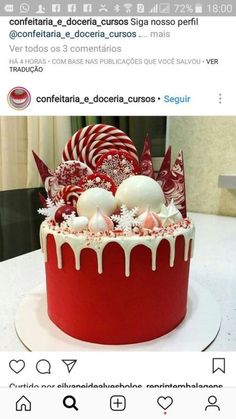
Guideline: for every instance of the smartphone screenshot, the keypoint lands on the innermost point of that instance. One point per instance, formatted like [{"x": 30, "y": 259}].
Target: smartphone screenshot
[{"x": 118, "y": 209}]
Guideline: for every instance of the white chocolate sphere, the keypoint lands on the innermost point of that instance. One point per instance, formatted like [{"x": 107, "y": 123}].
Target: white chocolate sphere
[
  {"x": 93, "y": 198},
  {"x": 142, "y": 192}
]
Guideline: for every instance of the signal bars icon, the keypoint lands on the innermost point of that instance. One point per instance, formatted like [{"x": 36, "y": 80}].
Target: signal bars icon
[
  {"x": 162, "y": 8},
  {"x": 154, "y": 9}
]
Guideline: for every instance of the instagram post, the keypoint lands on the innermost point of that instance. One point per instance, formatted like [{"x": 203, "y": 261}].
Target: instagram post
[
  {"x": 117, "y": 209},
  {"x": 118, "y": 213}
]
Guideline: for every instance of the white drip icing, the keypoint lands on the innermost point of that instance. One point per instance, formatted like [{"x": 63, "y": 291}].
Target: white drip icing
[
  {"x": 99, "y": 253},
  {"x": 127, "y": 243},
  {"x": 186, "y": 247}
]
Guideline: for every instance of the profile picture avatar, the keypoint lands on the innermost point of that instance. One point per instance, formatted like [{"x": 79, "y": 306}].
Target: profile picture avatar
[{"x": 19, "y": 98}]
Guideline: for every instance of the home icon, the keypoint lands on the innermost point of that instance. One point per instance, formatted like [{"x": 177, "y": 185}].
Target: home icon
[{"x": 23, "y": 404}]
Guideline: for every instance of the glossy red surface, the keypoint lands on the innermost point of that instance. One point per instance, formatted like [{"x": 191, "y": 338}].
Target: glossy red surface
[{"x": 110, "y": 308}]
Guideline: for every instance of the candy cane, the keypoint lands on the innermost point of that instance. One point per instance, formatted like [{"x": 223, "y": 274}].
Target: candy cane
[{"x": 69, "y": 194}]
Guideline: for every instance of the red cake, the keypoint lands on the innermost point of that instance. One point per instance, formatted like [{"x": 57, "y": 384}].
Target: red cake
[{"x": 117, "y": 248}]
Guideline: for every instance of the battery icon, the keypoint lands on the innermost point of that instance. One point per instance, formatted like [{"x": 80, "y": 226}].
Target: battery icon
[{"x": 198, "y": 8}]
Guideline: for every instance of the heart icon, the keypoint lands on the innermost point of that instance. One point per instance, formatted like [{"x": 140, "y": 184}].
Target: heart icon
[
  {"x": 17, "y": 366},
  {"x": 165, "y": 402}
]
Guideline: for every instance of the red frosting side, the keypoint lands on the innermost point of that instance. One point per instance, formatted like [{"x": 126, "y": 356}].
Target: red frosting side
[{"x": 110, "y": 308}]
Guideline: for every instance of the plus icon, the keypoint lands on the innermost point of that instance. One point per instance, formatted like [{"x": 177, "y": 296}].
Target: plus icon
[{"x": 118, "y": 403}]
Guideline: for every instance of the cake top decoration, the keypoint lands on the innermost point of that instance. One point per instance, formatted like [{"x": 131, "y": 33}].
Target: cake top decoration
[{"x": 101, "y": 187}]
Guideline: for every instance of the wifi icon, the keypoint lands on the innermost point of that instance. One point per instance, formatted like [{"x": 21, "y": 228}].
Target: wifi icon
[{"x": 128, "y": 7}]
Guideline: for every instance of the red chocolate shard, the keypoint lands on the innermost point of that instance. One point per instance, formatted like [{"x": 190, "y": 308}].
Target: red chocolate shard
[
  {"x": 44, "y": 171},
  {"x": 174, "y": 185},
  {"x": 165, "y": 167},
  {"x": 146, "y": 166}
]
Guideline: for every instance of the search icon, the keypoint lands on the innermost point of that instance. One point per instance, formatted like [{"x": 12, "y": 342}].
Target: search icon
[{"x": 70, "y": 402}]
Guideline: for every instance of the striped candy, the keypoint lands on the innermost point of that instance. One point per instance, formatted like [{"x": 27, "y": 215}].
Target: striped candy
[
  {"x": 69, "y": 194},
  {"x": 90, "y": 143}
]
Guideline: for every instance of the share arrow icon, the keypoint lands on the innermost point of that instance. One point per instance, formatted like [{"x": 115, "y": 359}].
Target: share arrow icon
[{"x": 70, "y": 363}]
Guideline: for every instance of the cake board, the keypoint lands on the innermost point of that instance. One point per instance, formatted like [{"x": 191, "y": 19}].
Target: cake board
[{"x": 198, "y": 330}]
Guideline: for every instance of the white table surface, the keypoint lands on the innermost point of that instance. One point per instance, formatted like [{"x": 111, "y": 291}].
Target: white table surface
[{"x": 213, "y": 266}]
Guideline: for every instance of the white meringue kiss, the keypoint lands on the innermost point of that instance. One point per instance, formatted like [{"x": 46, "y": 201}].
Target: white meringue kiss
[
  {"x": 100, "y": 222},
  {"x": 169, "y": 214}
]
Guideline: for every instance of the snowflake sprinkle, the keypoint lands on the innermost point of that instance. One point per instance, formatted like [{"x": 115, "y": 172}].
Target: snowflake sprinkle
[
  {"x": 51, "y": 208},
  {"x": 69, "y": 218},
  {"x": 126, "y": 220}
]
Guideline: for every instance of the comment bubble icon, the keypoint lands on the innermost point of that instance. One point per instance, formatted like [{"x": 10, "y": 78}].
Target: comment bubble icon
[{"x": 43, "y": 366}]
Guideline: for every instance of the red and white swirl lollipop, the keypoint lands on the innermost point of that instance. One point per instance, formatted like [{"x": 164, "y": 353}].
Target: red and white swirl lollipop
[
  {"x": 98, "y": 180},
  {"x": 118, "y": 165},
  {"x": 69, "y": 194},
  {"x": 90, "y": 143}
]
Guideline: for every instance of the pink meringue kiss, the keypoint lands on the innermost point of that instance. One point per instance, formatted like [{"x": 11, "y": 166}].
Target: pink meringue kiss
[
  {"x": 149, "y": 219},
  {"x": 100, "y": 222}
]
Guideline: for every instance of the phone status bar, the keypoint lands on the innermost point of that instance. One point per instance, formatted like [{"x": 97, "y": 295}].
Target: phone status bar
[{"x": 95, "y": 8}]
